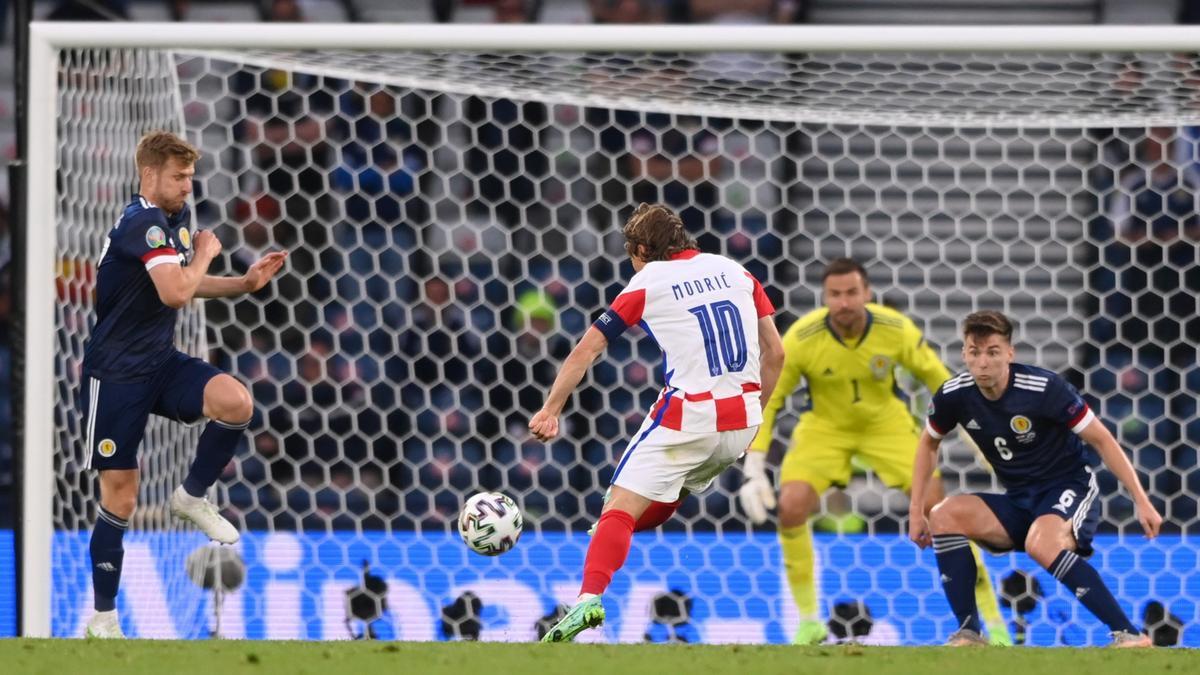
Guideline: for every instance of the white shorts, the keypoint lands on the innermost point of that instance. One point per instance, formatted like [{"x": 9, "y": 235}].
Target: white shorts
[{"x": 661, "y": 462}]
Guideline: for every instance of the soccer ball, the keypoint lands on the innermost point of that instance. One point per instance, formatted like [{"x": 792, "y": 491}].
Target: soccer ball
[{"x": 490, "y": 523}]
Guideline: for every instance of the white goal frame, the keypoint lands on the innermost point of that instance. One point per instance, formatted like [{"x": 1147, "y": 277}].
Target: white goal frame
[{"x": 45, "y": 38}]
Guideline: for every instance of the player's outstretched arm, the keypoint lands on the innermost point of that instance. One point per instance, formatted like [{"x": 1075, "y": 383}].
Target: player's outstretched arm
[
  {"x": 177, "y": 285},
  {"x": 544, "y": 424},
  {"x": 1099, "y": 437},
  {"x": 918, "y": 525},
  {"x": 255, "y": 278}
]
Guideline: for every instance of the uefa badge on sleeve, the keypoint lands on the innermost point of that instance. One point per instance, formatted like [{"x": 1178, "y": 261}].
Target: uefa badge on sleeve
[{"x": 155, "y": 237}]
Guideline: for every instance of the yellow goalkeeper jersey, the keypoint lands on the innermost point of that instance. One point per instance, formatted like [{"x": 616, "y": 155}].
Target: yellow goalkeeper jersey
[{"x": 852, "y": 387}]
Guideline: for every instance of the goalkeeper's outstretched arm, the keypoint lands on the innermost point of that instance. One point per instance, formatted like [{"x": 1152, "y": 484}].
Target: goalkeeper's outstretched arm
[{"x": 544, "y": 424}]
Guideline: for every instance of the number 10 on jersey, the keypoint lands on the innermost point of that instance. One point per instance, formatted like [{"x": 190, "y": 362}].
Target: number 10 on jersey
[{"x": 722, "y": 329}]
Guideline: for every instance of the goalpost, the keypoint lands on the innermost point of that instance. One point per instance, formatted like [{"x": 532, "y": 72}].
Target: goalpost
[{"x": 452, "y": 194}]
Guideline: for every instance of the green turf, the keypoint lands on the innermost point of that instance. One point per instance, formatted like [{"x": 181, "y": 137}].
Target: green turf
[{"x": 358, "y": 658}]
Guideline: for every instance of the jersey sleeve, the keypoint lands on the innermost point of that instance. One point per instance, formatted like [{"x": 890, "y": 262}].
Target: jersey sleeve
[
  {"x": 942, "y": 417},
  {"x": 625, "y": 311},
  {"x": 144, "y": 237},
  {"x": 762, "y": 304},
  {"x": 1065, "y": 405},
  {"x": 789, "y": 378},
  {"x": 919, "y": 358}
]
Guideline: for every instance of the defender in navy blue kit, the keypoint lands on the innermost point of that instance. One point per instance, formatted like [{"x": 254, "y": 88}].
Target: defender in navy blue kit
[
  {"x": 1030, "y": 438},
  {"x": 131, "y": 350},
  {"x": 1032, "y": 427},
  {"x": 153, "y": 263}
]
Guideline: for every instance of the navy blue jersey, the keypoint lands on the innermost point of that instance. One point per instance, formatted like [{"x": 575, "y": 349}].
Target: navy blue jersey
[
  {"x": 135, "y": 332},
  {"x": 1029, "y": 435}
]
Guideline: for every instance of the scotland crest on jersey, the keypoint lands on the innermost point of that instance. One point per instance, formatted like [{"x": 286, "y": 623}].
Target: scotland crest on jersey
[
  {"x": 1022, "y": 426},
  {"x": 1029, "y": 435},
  {"x": 881, "y": 367}
]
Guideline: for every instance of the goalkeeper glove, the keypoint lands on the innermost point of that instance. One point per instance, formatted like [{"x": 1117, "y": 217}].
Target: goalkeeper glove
[{"x": 757, "y": 494}]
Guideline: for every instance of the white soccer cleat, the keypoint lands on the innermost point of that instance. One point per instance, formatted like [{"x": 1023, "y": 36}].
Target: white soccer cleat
[
  {"x": 1123, "y": 639},
  {"x": 104, "y": 626},
  {"x": 965, "y": 637},
  {"x": 201, "y": 512}
]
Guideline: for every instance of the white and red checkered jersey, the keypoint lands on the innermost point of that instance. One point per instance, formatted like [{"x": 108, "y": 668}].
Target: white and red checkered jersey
[{"x": 702, "y": 310}]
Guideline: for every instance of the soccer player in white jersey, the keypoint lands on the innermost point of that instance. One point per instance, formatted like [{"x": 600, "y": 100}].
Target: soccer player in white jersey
[{"x": 721, "y": 358}]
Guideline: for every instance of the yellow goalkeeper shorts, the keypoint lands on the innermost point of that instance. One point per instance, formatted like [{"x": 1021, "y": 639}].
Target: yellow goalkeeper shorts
[{"x": 822, "y": 458}]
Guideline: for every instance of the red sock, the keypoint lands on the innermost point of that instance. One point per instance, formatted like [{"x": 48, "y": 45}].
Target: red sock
[
  {"x": 656, "y": 514},
  {"x": 607, "y": 551}
]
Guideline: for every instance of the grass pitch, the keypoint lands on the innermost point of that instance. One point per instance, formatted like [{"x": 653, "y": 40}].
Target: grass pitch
[{"x": 134, "y": 657}]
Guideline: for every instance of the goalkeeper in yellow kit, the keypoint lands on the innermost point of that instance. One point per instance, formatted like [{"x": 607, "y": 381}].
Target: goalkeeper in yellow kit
[{"x": 847, "y": 351}]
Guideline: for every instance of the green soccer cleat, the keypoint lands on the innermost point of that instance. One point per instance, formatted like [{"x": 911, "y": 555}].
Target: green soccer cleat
[
  {"x": 810, "y": 632},
  {"x": 585, "y": 615},
  {"x": 998, "y": 635}
]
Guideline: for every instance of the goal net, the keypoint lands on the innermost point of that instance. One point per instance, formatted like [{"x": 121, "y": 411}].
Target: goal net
[{"x": 453, "y": 222}]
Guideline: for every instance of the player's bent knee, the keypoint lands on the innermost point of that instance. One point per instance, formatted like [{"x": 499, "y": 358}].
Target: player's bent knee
[
  {"x": 792, "y": 513},
  {"x": 1040, "y": 549},
  {"x": 622, "y": 499},
  {"x": 243, "y": 407},
  {"x": 228, "y": 400},
  {"x": 121, "y": 503},
  {"x": 121, "y": 508},
  {"x": 1047, "y": 538},
  {"x": 795, "y": 504},
  {"x": 118, "y": 492},
  {"x": 944, "y": 518}
]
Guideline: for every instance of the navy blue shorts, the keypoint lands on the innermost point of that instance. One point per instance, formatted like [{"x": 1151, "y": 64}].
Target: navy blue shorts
[
  {"x": 1073, "y": 499},
  {"x": 115, "y": 413}
]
